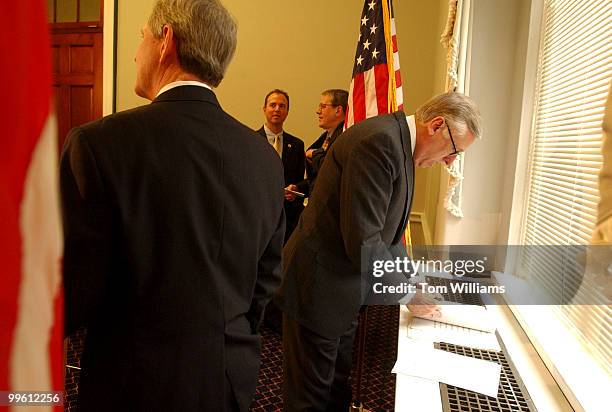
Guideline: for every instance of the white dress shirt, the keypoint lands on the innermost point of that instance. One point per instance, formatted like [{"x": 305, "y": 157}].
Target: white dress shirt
[
  {"x": 272, "y": 139},
  {"x": 412, "y": 127},
  {"x": 182, "y": 83}
]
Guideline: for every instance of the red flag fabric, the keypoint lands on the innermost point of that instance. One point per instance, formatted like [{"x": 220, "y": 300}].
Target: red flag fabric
[
  {"x": 376, "y": 85},
  {"x": 31, "y": 330}
]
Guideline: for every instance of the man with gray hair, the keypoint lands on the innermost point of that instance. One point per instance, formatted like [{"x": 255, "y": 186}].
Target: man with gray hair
[
  {"x": 173, "y": 230},
  {"x": 361, "y": 203}
]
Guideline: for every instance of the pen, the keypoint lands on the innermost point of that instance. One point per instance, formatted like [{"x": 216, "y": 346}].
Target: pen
[{"x": 295, "y": 193}]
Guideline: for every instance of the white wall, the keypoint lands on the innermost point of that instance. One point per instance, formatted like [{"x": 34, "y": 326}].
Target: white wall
[{"x": 498, "y": 47}]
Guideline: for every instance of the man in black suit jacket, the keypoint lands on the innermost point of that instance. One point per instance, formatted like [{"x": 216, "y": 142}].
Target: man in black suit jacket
[
  {"x": 173, "y": 230},
  {"x": 361, "y": 202},
  {"x": 289, "y": 148},
  {"x": 331, "y": 114}
]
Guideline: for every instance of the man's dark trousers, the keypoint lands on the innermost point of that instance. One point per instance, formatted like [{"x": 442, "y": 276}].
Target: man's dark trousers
[{"x": 311, "y": 363}]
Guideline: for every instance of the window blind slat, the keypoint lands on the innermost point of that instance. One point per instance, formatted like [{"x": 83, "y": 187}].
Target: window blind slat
[
  {"x": 596, "y": 84},
  {"x": 574, "y": 70}
]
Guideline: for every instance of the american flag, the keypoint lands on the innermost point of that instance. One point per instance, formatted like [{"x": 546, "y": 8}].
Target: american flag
[
  {"x": 376, "y": 85},
  {"x": 31, "y": 316}
]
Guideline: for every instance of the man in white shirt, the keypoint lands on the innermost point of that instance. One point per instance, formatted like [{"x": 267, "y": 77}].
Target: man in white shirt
[
  {"x": 289, "y": 148},
  {"x": 357, "y": 214}
]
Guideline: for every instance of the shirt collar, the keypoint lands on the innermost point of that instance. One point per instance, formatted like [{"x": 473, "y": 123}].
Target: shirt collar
[
  {"x": 330, "y": 134},
  {"x": 271, "y": 133},
  {"x": 412, "y": 127},
  {"x": 182, "y": 83}
]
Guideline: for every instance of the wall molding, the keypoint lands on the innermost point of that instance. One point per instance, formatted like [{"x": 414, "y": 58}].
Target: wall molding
[{"x": 419, "y": 219}]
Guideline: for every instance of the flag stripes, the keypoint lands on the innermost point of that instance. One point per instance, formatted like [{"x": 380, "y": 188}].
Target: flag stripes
[
  {"x": 31, "y": 337},
  {"x": 376, "y": 86}
]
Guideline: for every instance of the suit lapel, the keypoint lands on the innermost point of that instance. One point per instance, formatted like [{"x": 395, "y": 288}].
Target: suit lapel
[
  {"x": 337, "y": 132},
  {"x": 287, "y": 147},
  {"x": 262, "y": 133},
  {"x": 400, "y": 117}
]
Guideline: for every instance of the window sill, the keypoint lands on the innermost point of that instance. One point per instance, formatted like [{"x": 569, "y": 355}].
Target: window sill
[{"x": 557, "y": 371}]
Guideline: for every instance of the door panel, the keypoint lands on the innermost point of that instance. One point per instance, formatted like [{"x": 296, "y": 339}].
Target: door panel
[
  {"x": 81, "y": 60},
  {"x": 77, "y": 79},
  {"x": 81, "y": 105}
]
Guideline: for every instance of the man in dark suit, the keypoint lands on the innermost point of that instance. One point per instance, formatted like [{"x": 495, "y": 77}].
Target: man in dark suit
[
  {"x": 289, "y": 148},
  {"x": 173, "y": 230},
  {"x": 331, "y": 114},
  {"x": 361, "y": 202}
]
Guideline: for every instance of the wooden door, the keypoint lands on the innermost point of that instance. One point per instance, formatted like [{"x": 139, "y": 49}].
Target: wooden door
[{"x": 77, "y": 79}]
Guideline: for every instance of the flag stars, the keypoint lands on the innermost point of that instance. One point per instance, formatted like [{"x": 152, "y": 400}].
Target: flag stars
[
  {"x": 373, "y": 29},
  {"x": 366, "y": 45},
  {"x": 371, "y": 5},
  {"x": 375, "y": 54},
  {"x": 364, "y": 21},
  {"x": 359, "y": 60}
]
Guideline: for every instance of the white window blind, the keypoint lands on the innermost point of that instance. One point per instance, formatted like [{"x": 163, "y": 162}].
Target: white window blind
[{"x": 574, "y": 71}]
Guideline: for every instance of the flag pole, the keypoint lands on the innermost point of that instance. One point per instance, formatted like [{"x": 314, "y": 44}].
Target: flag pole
[
  {"x": 356, "y": 404},
  {"x": 392, "y": 106}
]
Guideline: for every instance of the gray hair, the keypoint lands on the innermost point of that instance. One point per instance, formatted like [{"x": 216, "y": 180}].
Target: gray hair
[
  {"x": 454, "y": 107},
  {"x": 205, "y": 33}
]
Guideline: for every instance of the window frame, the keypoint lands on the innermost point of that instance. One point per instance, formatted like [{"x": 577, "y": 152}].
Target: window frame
[{"x": 581, "y": 379}]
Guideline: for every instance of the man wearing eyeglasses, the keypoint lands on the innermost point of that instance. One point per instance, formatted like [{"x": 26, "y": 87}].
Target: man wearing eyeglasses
[
  {"x": 360, "y": 204},
  {"x": 331, "y": 113}
]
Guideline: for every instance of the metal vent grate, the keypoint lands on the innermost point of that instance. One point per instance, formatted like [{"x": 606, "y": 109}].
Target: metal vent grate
[
  {"x": 511, "y": 394},
  {"x": 465, "y": 298}
]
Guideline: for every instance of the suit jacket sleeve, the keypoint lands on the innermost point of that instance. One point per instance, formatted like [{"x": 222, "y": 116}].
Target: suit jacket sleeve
[
  {"x": 318, "y": 156},
  {"x": 298, "y": 163},
  {"x": 88, "y": 232},
  {"x": 302, "y": 164},
  {"x": 303, "y": 187},
  {"x": 268, "y": 274},
  {"x": 301, "y": 183},
  {"x": 365, "y": 194}
]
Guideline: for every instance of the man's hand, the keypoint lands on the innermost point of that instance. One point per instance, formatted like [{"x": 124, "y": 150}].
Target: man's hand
[
  {"x": 290, "y": 196},
  {"x": 309, "y": 153},
  {"x": 425, "y": 305}
]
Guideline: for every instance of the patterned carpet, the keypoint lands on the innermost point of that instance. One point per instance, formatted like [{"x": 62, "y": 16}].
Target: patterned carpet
[
  {"x": 378, "y": 389},
  {"x": 74, "y": 348}
]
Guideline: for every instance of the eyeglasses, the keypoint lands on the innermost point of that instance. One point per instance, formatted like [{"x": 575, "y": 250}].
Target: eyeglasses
[
  {"x": 455, "y": 152},
  {"x": 324, "y": 105}
]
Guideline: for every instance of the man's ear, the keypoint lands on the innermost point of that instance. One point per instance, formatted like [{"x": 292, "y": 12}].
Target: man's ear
[
  {"x": 168, "y": 44},
  {"x": 434, "y": 124}
]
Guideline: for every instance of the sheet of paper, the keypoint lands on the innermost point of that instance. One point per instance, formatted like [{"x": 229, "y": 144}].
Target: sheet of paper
[
  {"x": 422, "y": 361},
  {"x": 468, "y": 316},
  {"x": 433, "y": 331},
  {"x": 417, "y": 394}
]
